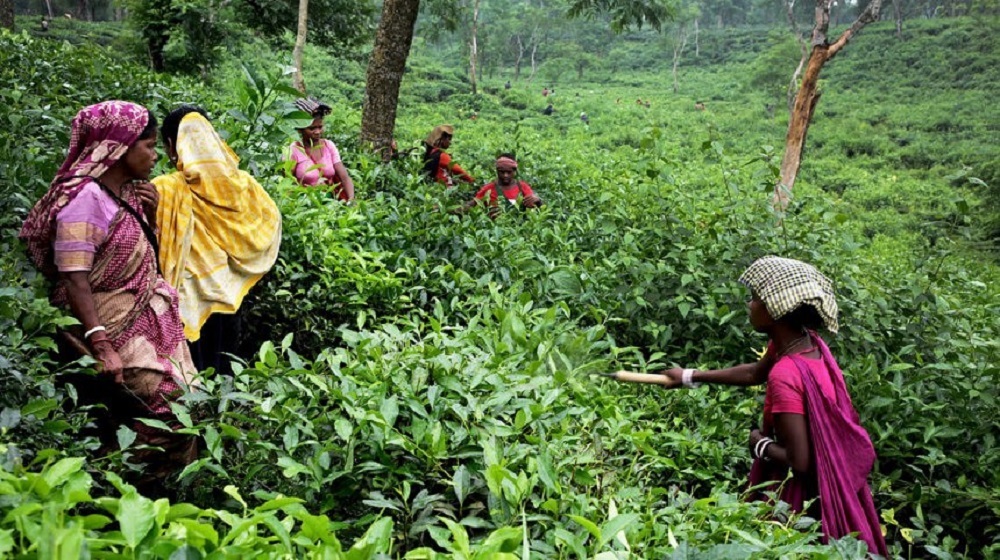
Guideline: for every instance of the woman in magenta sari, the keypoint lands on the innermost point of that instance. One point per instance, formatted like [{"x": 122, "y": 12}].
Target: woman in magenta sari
[
  {"x": 809, "y": 427},
  {"x": 93, "y": 235}
]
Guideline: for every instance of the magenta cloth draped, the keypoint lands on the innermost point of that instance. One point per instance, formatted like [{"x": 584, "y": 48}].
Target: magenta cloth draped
[{"x": 843, "y": 456}]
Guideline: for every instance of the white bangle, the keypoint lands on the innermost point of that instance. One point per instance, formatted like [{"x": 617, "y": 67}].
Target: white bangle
[
  {"x": 761, "y": 445},
  {"x": 96, "y": 329},
  {"x": 686, "y": 376}
]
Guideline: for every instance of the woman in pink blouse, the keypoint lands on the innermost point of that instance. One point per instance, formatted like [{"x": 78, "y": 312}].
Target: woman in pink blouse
[{"x": 317, "y": 160}]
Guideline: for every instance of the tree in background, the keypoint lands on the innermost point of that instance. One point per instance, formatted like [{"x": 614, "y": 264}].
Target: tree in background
[
  {"x": 298, "y": 82},
  {"x": 7, "y": 14},
  {"x": 808, "y": 96},
  {"x": 340, "y": 25},
  {"x": 385, "y": 72},
  {"x": 183, "y": 36}
]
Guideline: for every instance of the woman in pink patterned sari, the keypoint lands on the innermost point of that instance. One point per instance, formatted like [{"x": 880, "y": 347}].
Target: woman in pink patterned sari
[{"x": 93, "y": 235}]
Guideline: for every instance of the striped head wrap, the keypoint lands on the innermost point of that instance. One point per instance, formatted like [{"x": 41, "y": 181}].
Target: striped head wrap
[
  {"x": 506, "y": 162},
  {"x": 786, "y": 284},
  {"x": 313, "y": 106}
]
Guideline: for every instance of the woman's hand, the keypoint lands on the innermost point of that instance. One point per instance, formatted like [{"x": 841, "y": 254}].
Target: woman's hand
[
  {"x": 755, "y": 437},
  {"x": 149, "y": 197},
  {"x": 675, "y": 375},
  {"x": 111, "y": 362}
]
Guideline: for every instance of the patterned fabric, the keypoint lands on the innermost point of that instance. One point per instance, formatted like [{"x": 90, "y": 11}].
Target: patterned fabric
[
  {"x": 101, "y": 134},
  {"x": 81, "y": 227},
  {"x": 313, "y": 106},
  {"x": 786, "y": 284},
  {"x": 219, "y": 230}
]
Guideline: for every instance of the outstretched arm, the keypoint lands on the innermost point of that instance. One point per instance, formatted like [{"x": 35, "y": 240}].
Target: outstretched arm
[{"x": 743, "y": 375}]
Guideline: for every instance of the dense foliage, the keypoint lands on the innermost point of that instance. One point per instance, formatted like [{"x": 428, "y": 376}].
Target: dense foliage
[{"x": 418, "y": 384}]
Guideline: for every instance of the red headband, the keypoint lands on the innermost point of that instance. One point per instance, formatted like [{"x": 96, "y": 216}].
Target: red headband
[{"x": 504, "y": 162}]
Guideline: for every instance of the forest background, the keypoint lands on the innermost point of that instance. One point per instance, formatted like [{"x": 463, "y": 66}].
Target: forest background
[{"x": 417, "y": 384}]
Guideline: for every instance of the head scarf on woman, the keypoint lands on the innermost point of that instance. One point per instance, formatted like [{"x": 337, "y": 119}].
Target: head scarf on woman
[
  {"x": 438, "y": 132},
  {"x": 101, "y": 134},
  {"x": 219, "y": 229},
  {"x": 786, "y": 284}
]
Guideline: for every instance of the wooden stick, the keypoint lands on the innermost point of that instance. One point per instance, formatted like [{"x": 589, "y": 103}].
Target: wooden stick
[{"x": 633, "y": 377}]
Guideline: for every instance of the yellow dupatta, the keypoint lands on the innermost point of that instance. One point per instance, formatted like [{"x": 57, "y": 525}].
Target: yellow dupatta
[{"x": 219, "y": 229}]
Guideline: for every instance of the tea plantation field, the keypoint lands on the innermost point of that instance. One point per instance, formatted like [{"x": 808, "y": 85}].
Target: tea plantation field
[{"x": 416, "y": 384}]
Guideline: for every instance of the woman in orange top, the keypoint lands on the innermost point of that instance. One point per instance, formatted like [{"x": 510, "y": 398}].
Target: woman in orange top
[{"x": 437, "y": 163}]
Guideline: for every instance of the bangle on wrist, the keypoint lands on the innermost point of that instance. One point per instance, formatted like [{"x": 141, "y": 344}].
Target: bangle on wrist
[
  {"x": 761, "y": 446},
  {"x": 97, "y": 329},
  {"x": 686, "y": 378}
]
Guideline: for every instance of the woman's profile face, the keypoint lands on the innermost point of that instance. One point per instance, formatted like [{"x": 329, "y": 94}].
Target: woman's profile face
[
  {"x": 141, "y": 157},
  {"x": 314, "y": 132},
  {"x": 760, "y": 318},
  {"x": 445, "y": 141}
]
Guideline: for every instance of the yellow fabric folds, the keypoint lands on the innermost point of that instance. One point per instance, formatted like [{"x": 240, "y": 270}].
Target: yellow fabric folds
[{"x": 219, "y": 229}]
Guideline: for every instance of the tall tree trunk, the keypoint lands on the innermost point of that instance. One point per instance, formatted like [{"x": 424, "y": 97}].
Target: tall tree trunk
[
  {"x": 897, "y": 11},
  {"x": 697, "y": 48},
  {"x": 679, "y": 45},
  {"x": 83, "y": 10},
  {"x": 298, "y": 82},
  {"x": 385, "y": 72},
  {"x": 534, "y": 66},
  {"x": 804, "y": 56},
  {"x": 474, "y": 46},
  {"x": 520, "y": 56},
  {"x": 48, "y": 8},
  {"x": 808, "y": 96},
  {"x": 7, "y": 14}
]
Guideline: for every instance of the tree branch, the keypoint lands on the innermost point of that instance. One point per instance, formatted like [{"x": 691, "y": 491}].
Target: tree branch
[{"x": 870, "y": 14}]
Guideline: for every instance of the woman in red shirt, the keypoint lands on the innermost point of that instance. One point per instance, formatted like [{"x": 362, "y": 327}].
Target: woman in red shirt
[
  {"x": 506, "y": 185},
  {"x": 437, "y": 163}
]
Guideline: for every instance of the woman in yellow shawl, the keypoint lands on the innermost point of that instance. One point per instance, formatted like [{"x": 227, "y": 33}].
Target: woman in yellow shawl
[{"x": 219, "y": 233}]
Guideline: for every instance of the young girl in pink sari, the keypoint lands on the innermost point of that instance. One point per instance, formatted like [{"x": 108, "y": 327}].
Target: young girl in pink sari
[
  {"x": 809, "y": 427},
  {"x": 93, "y": 235}
]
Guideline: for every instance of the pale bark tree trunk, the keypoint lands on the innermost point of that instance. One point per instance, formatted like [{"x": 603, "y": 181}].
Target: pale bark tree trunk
[
  {"x": 474, "y": 46},
  {"x": 298, "y": 81},
  {"x": 808, "y": 96},
  {"x": 48, "y": 8},
  {"x": 7, "y": 14},
  {"x": 803, "y": 48},
  {"x": 385, "y": 72},
  {"x": 520, "y": 56},
  {"x": 679, "y": 45},
  {"x": 534, "y": 66},
  {"x": 697, "y": 47}
]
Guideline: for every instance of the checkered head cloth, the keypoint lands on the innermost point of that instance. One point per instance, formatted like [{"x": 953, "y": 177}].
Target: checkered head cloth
[
  {"x": 785, "y": 284},
  {"x": 313, "y": 106}
]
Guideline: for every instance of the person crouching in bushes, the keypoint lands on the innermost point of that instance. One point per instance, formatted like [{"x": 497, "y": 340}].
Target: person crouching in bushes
[
  {"x": 438, "y": 166},
  {"x": 809, "y": 427},
  {"x": 316, "y": 159},
  {"x": 511, "y": 190}
]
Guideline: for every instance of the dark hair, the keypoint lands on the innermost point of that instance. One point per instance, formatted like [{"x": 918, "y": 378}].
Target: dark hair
[
  {"x": 804, "y": 316},
  {"x": 507, "y": 154},
  {"x": 172, "y": 122},
  {"x": 150, "y": 129}
]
